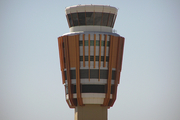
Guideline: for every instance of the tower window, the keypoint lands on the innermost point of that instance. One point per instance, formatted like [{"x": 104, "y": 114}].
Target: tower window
[
  {"x": 93, "y": 88},
  {"x": 81, "y": 17},
  {"x": 105, "y": 19},
  {"x": 75, "y": 19},
  {"x": 97, "y": 18},
  {"x": 89, "y": 18}
]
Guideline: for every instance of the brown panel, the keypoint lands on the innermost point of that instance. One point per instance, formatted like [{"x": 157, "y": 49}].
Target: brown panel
[
  {"x": 72, "y": 51},
  {"x": 78, "y": 91},
  {"x": 118, "y": 68},
  {"x": 61, "y": 56},
  {"x": 83, "y": 52},
  {"x": 111, "y": 102},
  {"x": 121, "y": 51},
  {"x": 107, "y": 98},
  {"x": 94, "y": 50},
  {"x": 105, "y": 50},
  {"x": 121, "y": 44},
  {"x": 68, "y": 70},
  {"x": 114, "y": 51}
]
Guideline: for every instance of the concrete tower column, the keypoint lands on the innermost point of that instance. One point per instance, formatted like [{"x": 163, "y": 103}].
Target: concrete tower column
[{"x": 91, "y": 112}]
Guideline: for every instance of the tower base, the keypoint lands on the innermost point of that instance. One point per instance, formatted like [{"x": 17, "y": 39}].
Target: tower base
[{"x": 91, "y": 112}]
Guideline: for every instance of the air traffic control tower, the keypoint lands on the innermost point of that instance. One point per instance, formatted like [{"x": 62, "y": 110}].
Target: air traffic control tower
[{"x": 91, "y": 60}]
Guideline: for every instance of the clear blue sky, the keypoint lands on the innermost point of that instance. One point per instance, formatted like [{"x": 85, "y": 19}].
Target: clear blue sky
[{"x": 30, "y": 79}]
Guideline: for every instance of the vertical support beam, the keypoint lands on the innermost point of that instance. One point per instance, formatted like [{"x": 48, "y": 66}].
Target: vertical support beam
[
  {"x": 78, "y": 89},
  {"x": 94, "y": 50},
  {"x": 83, "y": 51},
  {"x": 100, "y": 38},
  {"x": 61, "y": 57},
  {"x": 68, "y": 71},
  {"x": 117, "y": 76},
  {"x": 89, "y": 54},
  {"x": 118, "y": 68},
  {"x": 121, "y": 52},
  {"x": 105, "y": 50},
  {"x": 107, "y": 98}
]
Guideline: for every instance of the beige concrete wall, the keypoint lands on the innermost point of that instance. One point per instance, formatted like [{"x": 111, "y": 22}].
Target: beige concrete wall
[{"x": 91, "y": 112}]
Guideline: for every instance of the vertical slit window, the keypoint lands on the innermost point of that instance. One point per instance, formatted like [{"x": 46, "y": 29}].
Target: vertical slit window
[
  {"x": 113, "y": 74},
  {"x": 73, "y": 88},
  {"x": 65, "y": 75},
  {"x": 70, "y": 20},
  {"x": 75, "y": 19},
  {"x": 73, "y": 74},
  {"x": 89, "y": 18},
  {"x": 81, "y": 17},
  {"x": 112, "y": 89}
]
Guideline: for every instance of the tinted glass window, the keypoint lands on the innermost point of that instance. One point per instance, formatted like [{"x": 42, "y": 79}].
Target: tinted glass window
[
  {"x": 92, "y": 43},
  {"x": 70, "y": 20},
  {"x": 105, "y": 19},
  {"x": 73, "y": 87},
  {"x": 113, "y": 74},
  {"x": 92, "y": 58},
  {"x": 74, "y": 18},
  {"x": 113, "y": 20},
  {"x": 94, "y": 73},
  {"x": 81, "y": 17},
  {"x": 111, "y": 16},
  {"x": 97, "y": 18},
  {"x": 84, "y": 73},
  {"x": 89, "y": 18},
  {"x": 73, "y": 74},
  {"x": 65, "y": 75},
  {"x": 112, "y": 89},
  {"x": 93, "y": 89},
  {"x": 104, "y": 74},
  {"x": 107, "y": 43}
]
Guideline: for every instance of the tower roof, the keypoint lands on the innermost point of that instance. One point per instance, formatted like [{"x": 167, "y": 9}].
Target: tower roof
[{"x": 91, "y": 8}]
